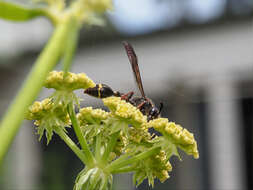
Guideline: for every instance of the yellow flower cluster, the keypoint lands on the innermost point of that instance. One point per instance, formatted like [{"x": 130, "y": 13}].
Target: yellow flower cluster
[
  {"x": 89, "y": 115},
  {"x": 46, "y": 110},
  {"x": 182, "y": 137},
  {"x": 39, "y": 109},
  {"x": 68, "y": 81},
  {"x": 156, "y": 166},
  {"x": 161, "y": 166},
  {"x": 48, "y": 117},
  {"x": 122, "y": 133},
  {"x": 121, "y": 145},
  {"x": 139, "y": 135},
  {"x": 125, "y": 111}
]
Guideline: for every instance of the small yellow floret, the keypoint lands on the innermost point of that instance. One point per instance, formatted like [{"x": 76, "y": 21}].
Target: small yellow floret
[
  {"x": 182, "y": 137},
  {"x": 69, "y": 81},
  {"x": 157, "y": 166},
  {"x": 164, "y": 176},
  {"x": 46, "y": 109},
  {"x": 125, "y": 111},
  {"x": 89, "y": 115},
  {"x": 48, "y": 116},
  {"x": 139, "y": 135},
  {"x": 39, "y": 109}
]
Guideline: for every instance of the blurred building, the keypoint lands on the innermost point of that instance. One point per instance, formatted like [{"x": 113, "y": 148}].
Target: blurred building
[{"x": 195, "y": 57}]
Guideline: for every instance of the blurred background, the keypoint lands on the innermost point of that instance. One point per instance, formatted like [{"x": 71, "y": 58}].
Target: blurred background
[{"x": 195, "y": 56}]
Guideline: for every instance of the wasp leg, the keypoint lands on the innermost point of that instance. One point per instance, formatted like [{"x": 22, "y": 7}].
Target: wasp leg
[
  {"x": 161, "y": 107},
  {"x": 127, "y": 96},
  {"x": 141, "y": 104}
]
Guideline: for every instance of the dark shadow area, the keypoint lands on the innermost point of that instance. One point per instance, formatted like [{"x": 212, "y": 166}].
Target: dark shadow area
[{"x": 247, "y": 114}]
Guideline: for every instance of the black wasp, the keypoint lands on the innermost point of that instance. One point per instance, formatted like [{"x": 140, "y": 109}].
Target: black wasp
[{"x": 144, "y": 104}]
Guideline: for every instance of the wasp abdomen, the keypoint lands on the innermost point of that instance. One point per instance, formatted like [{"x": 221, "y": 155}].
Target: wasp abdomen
[{"x": 100, "y": 91}]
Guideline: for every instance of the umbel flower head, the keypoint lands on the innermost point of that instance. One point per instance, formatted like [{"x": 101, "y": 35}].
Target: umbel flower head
[
  {"x": 136, "y": 140},
  {"x": 114, "y": 141},
  {"x": 156, "y": 166},
  {"x": 90, "y": 121},
  {"x": 125, "y": 111},
  {"x": 59, "y": 80},
  {"x": 51, "y": 113},
  {"x": 174, "y": 133},
  {"x": 48, "y": 117},
  {"x": 64, "y": 85}
]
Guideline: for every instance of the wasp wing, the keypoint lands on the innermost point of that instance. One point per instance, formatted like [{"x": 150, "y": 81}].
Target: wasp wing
[{"x": 134, "y": 63}]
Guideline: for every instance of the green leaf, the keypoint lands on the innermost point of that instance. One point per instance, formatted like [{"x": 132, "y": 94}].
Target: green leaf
[{"x": 15, "y": 12}]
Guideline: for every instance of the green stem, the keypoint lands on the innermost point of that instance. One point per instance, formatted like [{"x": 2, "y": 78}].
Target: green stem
[
  {"x": 98, "y": 148},
  {"x": 123, "y": 157},
  {"x": 53, "y": 18},
  {"x": 72, "y": 145},
  {"x": 124, "y": 170},
  {"x": 94, "y": 180},
  {"x": 110, "y": 147},
  {"x": 71, "y": 43},
  {"x": 47, "y": 60},
  {"x": 90, "y": 159},
  {"x": 123, "y": 163}
]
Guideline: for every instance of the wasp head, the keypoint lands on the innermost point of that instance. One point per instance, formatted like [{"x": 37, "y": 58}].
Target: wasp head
[{"x": 155, "y": 112}]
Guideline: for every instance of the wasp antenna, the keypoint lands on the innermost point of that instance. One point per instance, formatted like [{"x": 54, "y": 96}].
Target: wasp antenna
[{"x": 161, "y": 107}]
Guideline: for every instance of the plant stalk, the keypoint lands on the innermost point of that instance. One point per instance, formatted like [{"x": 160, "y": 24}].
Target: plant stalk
[
  {"x": 71, "y": 44},
  {"x": 14, "y": 116},
  {"x": 110, "y": 147},
  {"x": 98, "y": 148},
  {"x": 90, "y": 159},
  {"x": 72, "y": 145},
  {"x": 123, "y": 163},
  {"x": 125, "y": 170}
]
